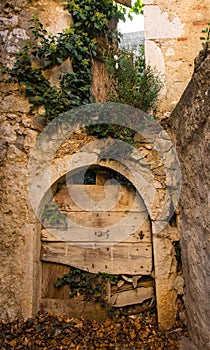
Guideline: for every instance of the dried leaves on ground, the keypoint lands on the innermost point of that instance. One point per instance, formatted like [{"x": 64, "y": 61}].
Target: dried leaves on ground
[{"x": 48, "y": 332}]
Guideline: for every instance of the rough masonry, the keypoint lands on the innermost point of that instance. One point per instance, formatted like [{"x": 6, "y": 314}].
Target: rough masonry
[
  {"x": 172, "y": 41},
  {"x": 190, "y": 122}
]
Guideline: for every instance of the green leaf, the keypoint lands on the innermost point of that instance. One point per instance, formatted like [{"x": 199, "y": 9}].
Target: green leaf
[{"x": 59, "y": 60}]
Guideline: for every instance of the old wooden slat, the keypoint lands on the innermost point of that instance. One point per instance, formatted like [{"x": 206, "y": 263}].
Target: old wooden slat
[
  {"x": 50, "y": 273},
  {"x": 101, "y": 219},
  {"x": 126, "y": 287},
  {"x": 53, "y": 234},
  {"x": 132, "y": 296},
  {"x": 104, "y": 235},
  {"x": 121, "y": 258},
  {"x": 74, "y": 307},
  {"x": 78, "y": 197}
]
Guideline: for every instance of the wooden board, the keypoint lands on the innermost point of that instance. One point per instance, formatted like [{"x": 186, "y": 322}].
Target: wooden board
[
  {"x": 124, "y": 198},
  {"x": 116, "y": 241},
  {"x": 50, "y": 273},
  {"x": 124, "y": 2},
  {"x": 53, "y": 234},
  {"x": 75, "y": 307},
  {"x": 101, "y": 219},
  {"x": 132, "y": 296},
  {"x": 122, "y": 258}
]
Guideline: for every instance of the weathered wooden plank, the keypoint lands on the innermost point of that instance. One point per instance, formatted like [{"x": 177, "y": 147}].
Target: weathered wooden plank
[
  {"x": 126, "y": 287},
  {"x": 124, "y": 258},
  {"x": 132, "y": 296},
  {"x": 53, "y": 234},
  {"x": 101, "y": 219},
  {"x": 50, "y": 273},
  {"x": 74, "y": 307},
  {"x": 110, "y": 197}
]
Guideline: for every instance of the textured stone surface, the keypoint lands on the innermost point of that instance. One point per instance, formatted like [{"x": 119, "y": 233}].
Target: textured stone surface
[
  {"x": 190, "y": 123},
  {"x": 20, "y": 234},
  {"x": 20, "y": 264},
  {"x": 186, "y": 344},
  {"x": 172, "y": 41}
]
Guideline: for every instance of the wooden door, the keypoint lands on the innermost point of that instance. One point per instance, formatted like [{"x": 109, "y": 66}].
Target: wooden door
[{"x": 132, "y": 255}]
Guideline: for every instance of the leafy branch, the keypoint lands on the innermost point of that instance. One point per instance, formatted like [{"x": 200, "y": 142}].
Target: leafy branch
[
  {"x": 77, "y": 43},
  {"x": 92, "y": 286}
]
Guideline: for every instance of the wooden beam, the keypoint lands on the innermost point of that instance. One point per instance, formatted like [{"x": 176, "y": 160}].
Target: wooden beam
[
  {"x": 59, "y": 234},
  {"x": 132, "y": 296},
  {"x": 127, "y": 258},
  {"x": 124, "y": 198}
]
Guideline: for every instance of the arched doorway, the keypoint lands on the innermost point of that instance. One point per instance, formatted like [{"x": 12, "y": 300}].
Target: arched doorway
[{"x": 117, "y": 241}]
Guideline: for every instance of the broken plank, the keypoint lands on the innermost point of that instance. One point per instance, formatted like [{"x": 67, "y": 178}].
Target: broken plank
[
  {"x": 132, "y": 296},
  {"x": 115, "y": 289}
]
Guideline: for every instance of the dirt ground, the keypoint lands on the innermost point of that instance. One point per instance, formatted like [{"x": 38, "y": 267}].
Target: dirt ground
[{"x": 49, "y": 332}]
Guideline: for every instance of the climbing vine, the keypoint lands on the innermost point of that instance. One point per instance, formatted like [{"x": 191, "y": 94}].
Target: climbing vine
[
  {"x": 77, "y": 45},
  {"x": 93, "y": 287}
]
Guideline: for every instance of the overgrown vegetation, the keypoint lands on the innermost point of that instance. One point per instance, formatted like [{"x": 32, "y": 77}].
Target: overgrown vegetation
[
  {"x": 78, "y": 44},
  {"x": 92, "y": 286},
  {"x": 131, "y": 83}
]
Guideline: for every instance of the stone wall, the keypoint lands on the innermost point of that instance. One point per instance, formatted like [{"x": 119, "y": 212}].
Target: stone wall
[
  {"x": 20, "y": 240},
  {"x": 172, "y": 41},
  {"x": 20, "y": 283},
  {"x": 190, "y": 122}
]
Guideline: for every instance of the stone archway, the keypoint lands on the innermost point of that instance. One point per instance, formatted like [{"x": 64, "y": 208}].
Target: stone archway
[
  {"x": 164, "y": 261},
  {"x": 129, "y": 256}
]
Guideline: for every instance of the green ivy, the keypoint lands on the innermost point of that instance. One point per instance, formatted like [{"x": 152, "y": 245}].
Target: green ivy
[
  {"x": 92, "y": 286},
  {"x": 78, "y": 43},
  {"x": 132, "y": 83},
  {"x": 137, "y": 8},
  {"x": 52, "y": 214}
]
